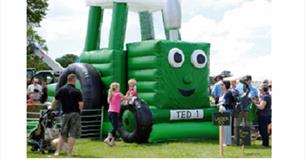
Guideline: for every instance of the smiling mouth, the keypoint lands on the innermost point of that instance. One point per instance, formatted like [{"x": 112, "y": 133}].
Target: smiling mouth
[{"x": 186, "y": 92}]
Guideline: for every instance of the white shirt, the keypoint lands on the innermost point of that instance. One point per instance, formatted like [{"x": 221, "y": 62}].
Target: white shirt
[{"x": 31, "y": 90}]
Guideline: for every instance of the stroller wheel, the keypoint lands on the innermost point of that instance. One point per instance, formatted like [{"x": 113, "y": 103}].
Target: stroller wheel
[
  {"x": 51, "y": 151},
  {"x": 33, "y": 149}
]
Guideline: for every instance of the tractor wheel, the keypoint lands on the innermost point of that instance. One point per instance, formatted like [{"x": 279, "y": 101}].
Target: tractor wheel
[
  {"x": 90, "y": 82},
  {"x": 135, "y": 122}
]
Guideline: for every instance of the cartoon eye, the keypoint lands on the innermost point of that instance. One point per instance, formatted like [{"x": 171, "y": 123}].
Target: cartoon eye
[
  {"x": 175, "y": 57},
  {"x": 199, "y": 58}
]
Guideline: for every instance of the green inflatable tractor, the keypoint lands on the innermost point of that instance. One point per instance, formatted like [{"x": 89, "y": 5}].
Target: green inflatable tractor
[{"x": 172, "y": 75}]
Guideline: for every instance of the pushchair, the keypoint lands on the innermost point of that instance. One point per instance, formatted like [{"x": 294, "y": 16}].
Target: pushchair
[{"x": 41, "y": 136}]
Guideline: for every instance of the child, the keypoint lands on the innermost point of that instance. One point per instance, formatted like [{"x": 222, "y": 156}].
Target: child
[
  {"x": 132, "y": 90},
  {"x": 114, "y": 101}
]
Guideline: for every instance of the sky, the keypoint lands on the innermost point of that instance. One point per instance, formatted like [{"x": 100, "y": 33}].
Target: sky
[{"x": 239, "y": 31}]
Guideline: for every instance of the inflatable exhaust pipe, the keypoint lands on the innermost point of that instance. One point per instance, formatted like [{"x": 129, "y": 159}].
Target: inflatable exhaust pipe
[{"x": 172, "y": 18}]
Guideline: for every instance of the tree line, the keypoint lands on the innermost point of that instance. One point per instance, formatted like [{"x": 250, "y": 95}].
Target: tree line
[{"x": 36, "y": 12}]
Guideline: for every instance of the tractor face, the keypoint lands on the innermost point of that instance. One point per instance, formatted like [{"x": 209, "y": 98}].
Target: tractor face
[{"x": 177, "y": 72}]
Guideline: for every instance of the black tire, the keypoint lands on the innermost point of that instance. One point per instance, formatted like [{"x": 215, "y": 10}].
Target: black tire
[
  {"x": 90, "y": 81},
  {"x": 143, "y": 118}
]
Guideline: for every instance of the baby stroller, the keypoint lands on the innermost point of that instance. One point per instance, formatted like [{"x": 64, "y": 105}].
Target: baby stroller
[{"x": 45, "y": 131}]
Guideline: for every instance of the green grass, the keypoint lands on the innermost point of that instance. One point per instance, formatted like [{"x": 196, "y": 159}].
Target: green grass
[{"x": 86, "y": 148}]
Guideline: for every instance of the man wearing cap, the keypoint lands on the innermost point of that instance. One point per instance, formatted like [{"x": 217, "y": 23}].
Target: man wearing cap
[
  {"x": 72, "y": 104},
  {"x": 247, "y": 92},
  {"x": 216, "y": 90}
]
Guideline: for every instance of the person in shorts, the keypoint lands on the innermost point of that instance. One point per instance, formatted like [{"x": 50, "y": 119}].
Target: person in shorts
[{"x": 72, "y": 104}]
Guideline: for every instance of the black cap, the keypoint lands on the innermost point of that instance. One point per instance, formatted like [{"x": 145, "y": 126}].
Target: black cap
[
  {"x": 218, "y": 76},
  {"x": 248, "y": 77}
]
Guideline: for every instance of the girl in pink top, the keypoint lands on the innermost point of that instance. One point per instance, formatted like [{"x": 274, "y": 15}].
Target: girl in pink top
[{"x": 114, "y": 101}]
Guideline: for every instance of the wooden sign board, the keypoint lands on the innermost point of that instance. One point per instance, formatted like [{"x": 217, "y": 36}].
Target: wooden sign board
[
  {"x": 243, "y": 136},
  {"x": 221, "y": 118}
]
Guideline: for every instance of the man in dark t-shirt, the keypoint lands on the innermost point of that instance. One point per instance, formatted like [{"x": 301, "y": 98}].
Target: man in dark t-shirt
[{"x": 72, "y": 104}]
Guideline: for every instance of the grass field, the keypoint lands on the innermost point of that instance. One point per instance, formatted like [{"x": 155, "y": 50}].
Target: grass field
[{"x": 86, "y": 148}]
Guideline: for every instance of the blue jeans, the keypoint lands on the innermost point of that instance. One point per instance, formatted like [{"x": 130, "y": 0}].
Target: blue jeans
[{"x": 114, "y": 119}]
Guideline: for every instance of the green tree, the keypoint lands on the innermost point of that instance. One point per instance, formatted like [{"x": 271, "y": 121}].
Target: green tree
[
  {"x": 36, "y": 11},
  {"x": 67, "y": 59}
]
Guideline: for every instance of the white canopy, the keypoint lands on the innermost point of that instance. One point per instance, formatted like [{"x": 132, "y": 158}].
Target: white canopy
[
  {"x": 232, "y": 78},
  {"x": 133, "y": 5}
]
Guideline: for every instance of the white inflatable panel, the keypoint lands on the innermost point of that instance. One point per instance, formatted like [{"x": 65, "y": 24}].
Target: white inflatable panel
[{"x": 133, "y": 5}]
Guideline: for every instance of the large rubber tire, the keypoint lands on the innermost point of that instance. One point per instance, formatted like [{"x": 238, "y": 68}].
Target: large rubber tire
[
  {"x": 143, "y": 122},
  {"x": 90, "y": 81}
]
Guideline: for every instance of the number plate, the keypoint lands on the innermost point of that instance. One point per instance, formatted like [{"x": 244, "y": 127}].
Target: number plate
[{"x": 186, "y": 114}]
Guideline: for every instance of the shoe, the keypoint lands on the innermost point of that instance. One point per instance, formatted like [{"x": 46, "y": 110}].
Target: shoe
[
  {"x": 112, "y": 142},
  {"x": 264, "y": 146},
  {"x": 56, "y": 154},
  {"x": 108, "y": 141}
]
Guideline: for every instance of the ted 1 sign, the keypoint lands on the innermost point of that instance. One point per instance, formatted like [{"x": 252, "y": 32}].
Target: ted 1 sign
[{"x": 186, "y": 114}]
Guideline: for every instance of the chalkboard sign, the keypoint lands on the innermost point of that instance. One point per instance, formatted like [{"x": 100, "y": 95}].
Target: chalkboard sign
[
  {"x": 243, "y": 136},
  {"x": 221, "y": 118}
]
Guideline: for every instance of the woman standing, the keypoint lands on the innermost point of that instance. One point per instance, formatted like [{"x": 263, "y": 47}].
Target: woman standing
[
  {"x": 226, "y": 104},
  {"x": 264, "y": 114}
]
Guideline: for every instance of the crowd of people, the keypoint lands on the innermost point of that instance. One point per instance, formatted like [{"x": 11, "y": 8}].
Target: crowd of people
[
  {"x": 233, "y": 96},
  {"x": 237, "y": 99}
]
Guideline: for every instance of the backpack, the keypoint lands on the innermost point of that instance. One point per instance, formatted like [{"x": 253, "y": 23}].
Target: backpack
[
  {"x": 233, "y": 99},
  {"x": 235, "y": 102}
]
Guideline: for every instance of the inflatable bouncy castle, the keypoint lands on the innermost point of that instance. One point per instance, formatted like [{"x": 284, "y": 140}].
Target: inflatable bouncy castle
[{"x": 172, "y": 75}]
